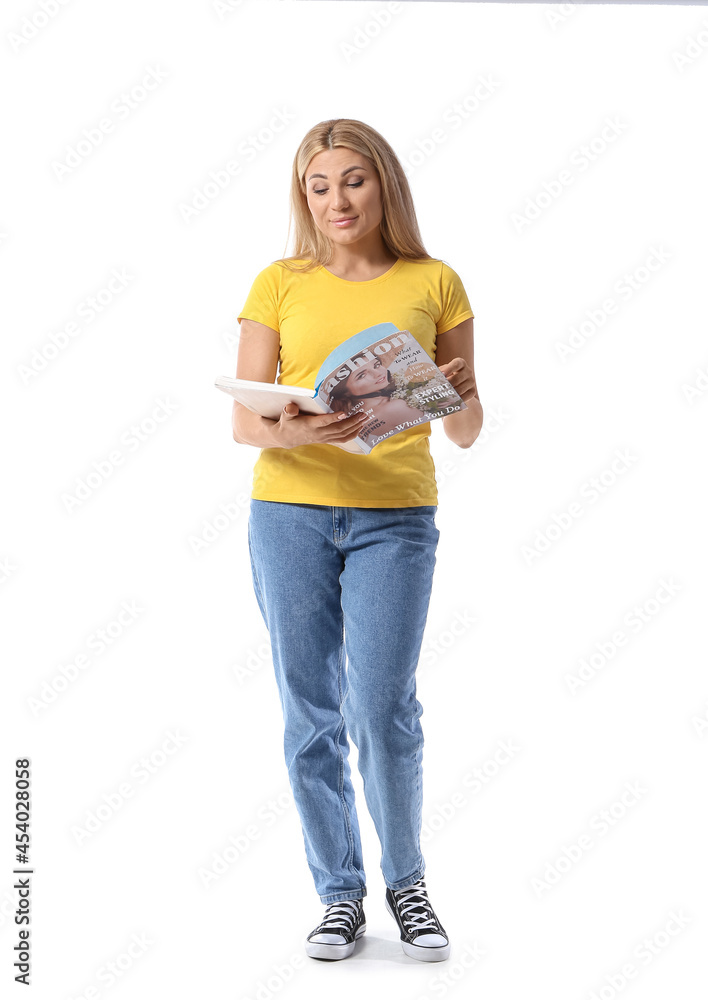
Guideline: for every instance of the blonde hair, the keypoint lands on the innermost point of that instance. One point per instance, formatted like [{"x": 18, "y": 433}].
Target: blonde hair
[{"x": 399, "y": 225}]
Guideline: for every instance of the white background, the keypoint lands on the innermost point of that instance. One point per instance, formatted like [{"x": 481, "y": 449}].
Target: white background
[{"x": 185, "y": 683}]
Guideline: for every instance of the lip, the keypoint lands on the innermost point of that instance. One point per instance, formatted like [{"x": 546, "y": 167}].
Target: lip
[{"x": 343, "y": 222}]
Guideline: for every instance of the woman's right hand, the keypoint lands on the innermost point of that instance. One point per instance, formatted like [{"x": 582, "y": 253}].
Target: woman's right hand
[{"x": 295, "y": 428}]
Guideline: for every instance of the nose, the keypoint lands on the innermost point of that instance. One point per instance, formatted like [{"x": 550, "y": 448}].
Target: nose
[{"x": 340, "y": 200}]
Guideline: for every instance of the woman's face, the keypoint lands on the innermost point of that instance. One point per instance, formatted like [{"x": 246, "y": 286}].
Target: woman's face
[
  {"x": 368, "y": 378},
  {"x": 344, "y": 193}
]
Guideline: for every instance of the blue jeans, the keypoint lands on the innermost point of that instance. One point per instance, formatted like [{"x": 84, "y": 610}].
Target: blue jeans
[{"x": 344, "y": 593}]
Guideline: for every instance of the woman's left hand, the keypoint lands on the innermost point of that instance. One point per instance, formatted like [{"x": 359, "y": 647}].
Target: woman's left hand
[{"x": 461, "y": 378}]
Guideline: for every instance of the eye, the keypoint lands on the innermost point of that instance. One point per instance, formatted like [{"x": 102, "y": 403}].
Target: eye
[{"x": 323, "y": 190}]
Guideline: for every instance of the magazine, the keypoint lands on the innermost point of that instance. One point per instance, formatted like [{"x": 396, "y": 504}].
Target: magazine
[{"x": 382, "y": 371}]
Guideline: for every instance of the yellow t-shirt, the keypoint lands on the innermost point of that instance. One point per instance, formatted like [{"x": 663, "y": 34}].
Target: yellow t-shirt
[{"x": 313, "y": 313}]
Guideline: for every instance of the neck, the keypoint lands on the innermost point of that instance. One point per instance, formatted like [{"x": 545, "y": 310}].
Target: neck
[{"x": 362, "y": 258}]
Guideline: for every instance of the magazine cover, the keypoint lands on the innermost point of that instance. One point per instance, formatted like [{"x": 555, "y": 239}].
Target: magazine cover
[{"x": 384, "y": 372}]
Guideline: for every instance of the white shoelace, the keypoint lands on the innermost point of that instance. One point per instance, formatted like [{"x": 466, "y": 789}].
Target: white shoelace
[
  {"x": 341, "y": 914},
  {"x": 416, "y": 897}
]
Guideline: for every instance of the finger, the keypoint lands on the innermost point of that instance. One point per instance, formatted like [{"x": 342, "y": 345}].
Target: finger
[
  {"x": 344, "y": 418},
  {"x": 457, "y": 373},
  {"x": 343, "y": 429}
]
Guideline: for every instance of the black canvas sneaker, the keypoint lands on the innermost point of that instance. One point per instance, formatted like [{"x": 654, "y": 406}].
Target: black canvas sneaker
[
  {"x": 422, "y": 935},
  {"x": 336, "y": 936}
]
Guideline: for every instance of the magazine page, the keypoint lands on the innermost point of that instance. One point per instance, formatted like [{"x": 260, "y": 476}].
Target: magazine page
[
  {"x": 384, "y": 372},
  {"x": 268, "y": 398}
]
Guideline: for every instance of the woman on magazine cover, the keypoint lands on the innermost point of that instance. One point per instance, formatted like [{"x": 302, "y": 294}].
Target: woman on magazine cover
[
  {"x": 346, "y": 645},
  {"x": 372, "y": 386}
]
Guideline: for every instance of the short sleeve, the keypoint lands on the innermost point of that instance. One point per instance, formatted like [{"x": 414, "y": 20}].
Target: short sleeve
[
  {"x": 455, "y": 306},
  {"x": 262, "y": 301}
]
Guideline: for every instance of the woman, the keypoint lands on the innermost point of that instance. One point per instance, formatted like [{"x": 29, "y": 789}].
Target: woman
[{"x": 342, "y": 545}]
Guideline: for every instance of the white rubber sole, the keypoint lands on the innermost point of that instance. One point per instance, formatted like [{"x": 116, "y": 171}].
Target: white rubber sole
[
  {"x": 333, "y": 952},
  {"x": 418, "y": 951}
]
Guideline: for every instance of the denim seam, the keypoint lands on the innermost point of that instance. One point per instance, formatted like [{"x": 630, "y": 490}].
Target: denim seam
[
  {"x": 418, "y": 782},
  {"x": 409, "y": 881},
  {"x": 339, "y": 538},
  {"x": 253, "y": 564},
  {"x": 336, "y": 897},
  {"x": 345, "y": 811},
  {"x": 419, "y": 798}
]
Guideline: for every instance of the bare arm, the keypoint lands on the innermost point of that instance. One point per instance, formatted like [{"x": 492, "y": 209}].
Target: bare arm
[
  {"x": 258, "y": 352},
  {"x": 252, "y": 428},
  {"x": 454, "y": 356}
]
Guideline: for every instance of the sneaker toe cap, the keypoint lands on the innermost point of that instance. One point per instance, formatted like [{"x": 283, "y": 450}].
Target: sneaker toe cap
[
  {"x": 327, "y": 938},
  {"x": 431, "y": 941}
]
